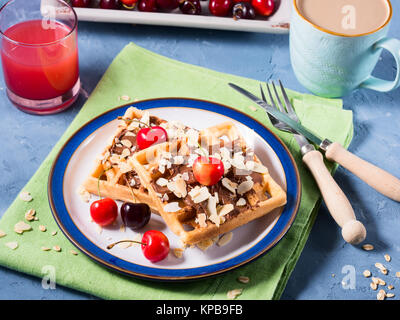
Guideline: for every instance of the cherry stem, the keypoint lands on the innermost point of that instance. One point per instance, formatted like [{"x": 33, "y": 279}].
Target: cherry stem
[
  {"x": 130, "y": 188},
  {"x": 204, "y": 151},
  {"x": 98, "y": 180},
  {"x": 110, "y": 246},
  {"x": 134, "y": 120}
]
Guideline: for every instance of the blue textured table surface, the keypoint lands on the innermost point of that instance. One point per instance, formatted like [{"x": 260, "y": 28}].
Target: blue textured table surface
[{"x": 326, "y": 259}]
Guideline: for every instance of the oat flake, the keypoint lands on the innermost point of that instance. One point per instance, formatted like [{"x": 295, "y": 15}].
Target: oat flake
[
  {"x": 12, "y": 245},
  {"x": 232, "y": 294}
]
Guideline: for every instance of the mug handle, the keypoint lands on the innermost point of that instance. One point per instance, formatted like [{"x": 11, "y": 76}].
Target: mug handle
[{"x": 393, "y": 46}]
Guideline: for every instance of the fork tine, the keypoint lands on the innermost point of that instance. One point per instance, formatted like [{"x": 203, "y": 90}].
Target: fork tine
[
  {"x": 281, "y": 107},
  {"x": 270, "y": 96},
  {"x": 289, "y": 106},
  {"x": 262, "y": 94}
]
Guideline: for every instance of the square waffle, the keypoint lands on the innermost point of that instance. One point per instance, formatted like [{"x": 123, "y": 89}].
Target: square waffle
[
  {"x": 195, "y": 212},
  {"x": 118, "y": 179}
]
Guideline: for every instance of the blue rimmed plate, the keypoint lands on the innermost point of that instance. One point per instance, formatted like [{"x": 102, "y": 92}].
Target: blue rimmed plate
[{"x": 76, "y": 160}]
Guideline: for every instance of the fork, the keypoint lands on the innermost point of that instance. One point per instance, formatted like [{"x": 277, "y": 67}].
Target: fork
[{"x": 353, "y": 231}]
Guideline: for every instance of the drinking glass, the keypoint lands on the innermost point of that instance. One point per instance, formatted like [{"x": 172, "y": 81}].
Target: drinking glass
[{"x": 39, "y": 54}]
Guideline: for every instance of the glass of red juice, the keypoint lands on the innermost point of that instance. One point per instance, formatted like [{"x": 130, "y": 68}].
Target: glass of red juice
[{"x": 39, "y": 54}]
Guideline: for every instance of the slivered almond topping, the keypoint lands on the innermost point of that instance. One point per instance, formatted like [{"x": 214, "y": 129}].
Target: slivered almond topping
[
  {"x": 205, "y": 244},
  {"x": 133, "y": 125},
  {"x": 367, "y": 273},
  {"x": 185, "y": 176},
  {"x": 228, "y": 184},
  {"x": 125, "y": 153},
  {"x": 241, "y": 202},
  {"x": 388, "y": 258},
  {"x": 201, "y": 220},
  {"x": 256, "y": 167},
  {"x": 126, "y": 143},
  {"x": 178, "y": 187},
  {"x": 212, "y": 207},
  {"x": 232, "y": 294},
  {"x": 124, "y": 167},
  {"x": 2, "y": 234},
  {"x": 30, "y": 215},
  {"x": 225, "y": 239},
  {"x": 244, "y": 279},
  {"x": 172, "y": 207},
  {"x": 381, "y": 295},
  {"x": 20, "y": 227},
  {"x": 244, "y": 187},
  {"x": 193, "y": 137},
  {"x": 129, "y": 134},
  {"x": 368, "y": 247},
  {"x": 145, "y": 118},
  {"x": 178, "y": 160},
  {"x": 178, "y": 252},
  {"x": 25, "y": 196},
  {"x": 225, "y": 209},
  {"x": 12, "y": 245},
  {"x": 199, "y": 194}
]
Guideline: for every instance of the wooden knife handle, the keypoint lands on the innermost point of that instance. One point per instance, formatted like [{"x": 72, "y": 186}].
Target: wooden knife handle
[
  {"x": 377, "y": 178},
  {"x": 353, "y": 231}
]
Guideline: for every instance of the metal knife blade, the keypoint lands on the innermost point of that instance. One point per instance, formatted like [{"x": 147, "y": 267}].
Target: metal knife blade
[{"x": 280, "y": 115}]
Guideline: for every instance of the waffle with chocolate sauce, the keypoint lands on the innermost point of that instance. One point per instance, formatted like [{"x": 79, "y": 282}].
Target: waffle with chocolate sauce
[
  {"x": 118, "y": 179},
  {"x": 196, "y": 212}
]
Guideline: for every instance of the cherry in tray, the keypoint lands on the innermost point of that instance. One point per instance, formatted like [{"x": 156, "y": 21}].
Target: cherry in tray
[
  {"x": 243, "y": 10},
  {"x": 147, "y": 6},
  {"x": 81, "y": 3},
  {"x": 190, "y": 7},
  {"x": 110, "y": 4},
  {"x": 220, "y": 8}
]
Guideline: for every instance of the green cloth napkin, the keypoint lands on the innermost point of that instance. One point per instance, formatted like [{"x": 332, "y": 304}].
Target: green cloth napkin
[{"x": 141, "y": 74}]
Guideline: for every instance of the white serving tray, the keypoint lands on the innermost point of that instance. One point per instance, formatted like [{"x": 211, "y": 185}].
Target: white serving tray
[{"x": 277, "y": 23}]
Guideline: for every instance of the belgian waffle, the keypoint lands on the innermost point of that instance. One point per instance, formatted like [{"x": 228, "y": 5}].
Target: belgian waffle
[
  {"x": 118, "y": 179},
  {"x": 195, "y": 212}
]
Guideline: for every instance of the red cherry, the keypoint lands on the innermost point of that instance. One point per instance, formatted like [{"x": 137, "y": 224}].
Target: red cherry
[
  {"x": 81, "y": 3},
  {"x": 104, "y": 211},
  {"x": 167, "y": 5},
  {"x": 155, "y": 245},
  {"x": 220, "y": 8},
  {"x": 150, "y": 135},
  {"x": 147, "y": 6},
  {"x": 264, "y": 7},
  {"x": 208, "y": 171}
]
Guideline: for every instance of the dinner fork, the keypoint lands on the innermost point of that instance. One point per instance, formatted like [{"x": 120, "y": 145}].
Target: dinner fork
[{"x": 353, "y": 231}]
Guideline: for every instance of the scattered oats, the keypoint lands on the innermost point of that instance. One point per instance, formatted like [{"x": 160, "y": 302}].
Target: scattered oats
[
  {"x": 20, "y": 227},
  {"x": 36, "y": 219},
  {"x": 381, "y": 282},
  {"x": 252, "y": 108},
  {"x": 125, "y": 98},
  {"x": 46, "y": 249},
  {"x": 367, "y": 273},
  {"x": 2, "y": 234},
  {"x": 368, "y": 247},
  {"x": 205, "y": 244},
  {"x": 225, "y": 239},
  {"x": 54, "y": 233},
  {"x": 42, "y": 228},
  {"x": 243, "y": 279},
  {"x": 373, "y": 286},
  {"x": 390, "y": 295},
  {"x": 84, "y": 194},
  {"x": 388, "y": 258},
  {"x": 25, "y": 196},
  {"x": 398, "y": 274},
  {"x": 30, "y": 214},
  {"x": 381, "y": 295},
  {"x": 12, "y": 245},
  {"x": 375, "y": 280},
  {"x": 73, "y": 252},
  {"x": 232, "y": 294},
  {"x": 178, "y": 252},
  {"x": 381, "y": 267},
  {"x": 57, "y": 248},
  {"x": 172, "y": 207},
  {"x": 390, "y": 287}
]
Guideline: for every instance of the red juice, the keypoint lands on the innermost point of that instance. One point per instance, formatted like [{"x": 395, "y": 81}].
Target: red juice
[{"x": 40, "y": 63}]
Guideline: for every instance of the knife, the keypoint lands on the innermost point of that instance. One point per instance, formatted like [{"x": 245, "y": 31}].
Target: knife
[{"x": 379, "y": 179}]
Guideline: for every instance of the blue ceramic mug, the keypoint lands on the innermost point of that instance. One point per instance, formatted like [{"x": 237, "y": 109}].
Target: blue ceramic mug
[{"x": 333, "y": 65}]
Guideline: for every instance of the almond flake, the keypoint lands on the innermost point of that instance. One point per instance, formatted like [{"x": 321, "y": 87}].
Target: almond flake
[
  {"x": 42, "y": 228},
  {"x": 201, "y": 220},
  {"x": 25, "y": 196},
  {"x": 178, "y": 160},
  {"x": 2, "y": 234},
  {"x": 380, "y": 266},
  {"x": 388, "y": 258},
  {"x": 124, "y": 167},
  {"x": 368, "y": 247},
  {"x": 256, "y": 167},
  {"x": 178, "y": 252},
  {"x": 193, "y": 137},
  {"x": 12, "y": 245},
  {"x": 241, "y": 202},
  {"x": 243, "y": 279},
  {"x": 73, "y": 252},
  {"x": 21, "y": 227},
  {"x": 199, "y": 194},
  {"x": 172, "y": 207},
  {"x": 381, "y": 295},
  {"x": 212, "y": 206},
  {"x": 46, "y": 249},
  {"x": 225, "y": 239},
  {"x": 30, "y": 215},
  {"x": 367, "y": 273},
  {"x": 57, "y": 248},
  {"x": 228, "y": 184},
  {"x": 225, "y": 209},
  {"x": 232, "y": 294},
  {"x": 205, "y": 244},
  {"x": 125, "y": 153},
  {"x": 244, "y": 187},
  {"x": 178, "y": 187},
  {"x": 126, "y": 143}
]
